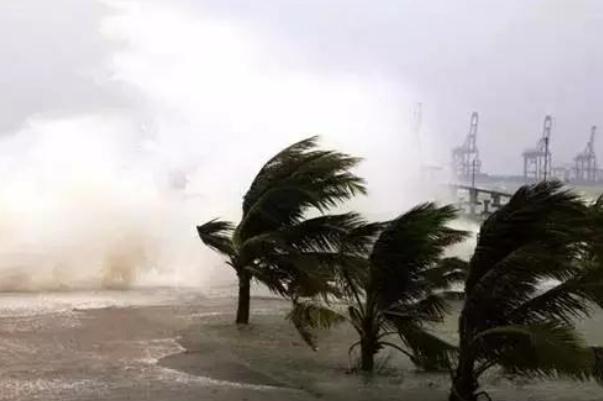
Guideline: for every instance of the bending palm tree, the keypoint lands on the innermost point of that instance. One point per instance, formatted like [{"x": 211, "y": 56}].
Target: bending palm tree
[
  {"x": 392, "y": 278},
  {"x": 274, "y": 241},
  {"x": 405, "y": 286},
  {"x": 543, "y": 235}
]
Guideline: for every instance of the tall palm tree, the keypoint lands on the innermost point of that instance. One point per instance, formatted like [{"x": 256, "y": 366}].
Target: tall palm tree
[
  {"x": 545, "y": 237},
  {"x": 275, "y": 241},
  {"x": 392, "y": 277}
]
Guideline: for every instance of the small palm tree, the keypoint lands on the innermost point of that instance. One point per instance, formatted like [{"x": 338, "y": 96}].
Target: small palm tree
[
  {"x": 275, "y": 242},
  {"x": 544, "y": 237},
  {"x": 405, "y": 287},
  {"x": 393, "y": 279}
]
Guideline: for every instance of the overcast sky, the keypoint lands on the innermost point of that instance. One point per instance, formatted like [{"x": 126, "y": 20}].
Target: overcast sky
[{"x": 512, "y": 60}]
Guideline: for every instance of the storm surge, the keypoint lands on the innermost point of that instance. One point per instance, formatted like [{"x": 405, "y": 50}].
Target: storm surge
[{"x": 86, "y": 203}]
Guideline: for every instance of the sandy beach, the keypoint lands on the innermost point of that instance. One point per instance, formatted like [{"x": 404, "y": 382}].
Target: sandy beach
[{"x": 166, "y": 344}]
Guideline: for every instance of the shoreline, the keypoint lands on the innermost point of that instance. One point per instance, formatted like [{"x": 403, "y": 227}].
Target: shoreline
[{"x": 184, "y": 346}]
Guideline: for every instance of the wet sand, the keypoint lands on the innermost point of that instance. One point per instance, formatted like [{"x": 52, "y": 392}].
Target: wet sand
[{"x": 172, "y": 345}]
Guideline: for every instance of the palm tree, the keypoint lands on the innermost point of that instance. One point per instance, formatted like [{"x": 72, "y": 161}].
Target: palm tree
[
  {"x": 275, "y": 242},
  {"x": 544, "y": 237},
  {"x": 393, "y": 279},
  {"x": 405, "y": 286}
]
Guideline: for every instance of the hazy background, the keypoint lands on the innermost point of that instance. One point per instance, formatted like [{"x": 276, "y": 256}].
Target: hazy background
[{"x": 124, "y": 123}]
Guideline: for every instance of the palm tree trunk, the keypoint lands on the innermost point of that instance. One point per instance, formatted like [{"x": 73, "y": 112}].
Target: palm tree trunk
[
  {"x": 244, "y": 297},
  {"x": 368, "y": 343},
  {"x": 367, "y": 355},
  {"x": 464, "y": 383}
]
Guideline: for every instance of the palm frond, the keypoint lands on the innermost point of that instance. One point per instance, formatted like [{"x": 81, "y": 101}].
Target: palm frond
[
  {"x": 217, "y": 235},
  {"x": 542, "y": 213},
  {"x": 305, "y": 274},
  {"x": 432, "y": 308},
  {"x": 309, "y": 316},
  {"x": 446, "y": 272},
  {"x": 541, "y": 350},
  {"x": 430, "y": 352},
  {"x": 326, "y": 233},
  {"x": 361, "y": 238},
  {"x": 354, "y": 266},
  {"x": 272, "y": 277},
  {"x": 280, "y": 165},
  {"x": 408, "y": 245},
  {"x": 297, "y": 179},
  {"x": 515, "y": 280},
  {"x": 314, "y": 257},
  {"x": 565, "y": 301}
]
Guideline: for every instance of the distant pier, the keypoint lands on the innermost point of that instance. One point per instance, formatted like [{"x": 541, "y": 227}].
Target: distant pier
[{"x": 478, "y": 203}]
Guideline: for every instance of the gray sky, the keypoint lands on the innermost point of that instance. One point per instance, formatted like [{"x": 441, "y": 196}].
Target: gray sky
[{"x": 512, "y": 60}]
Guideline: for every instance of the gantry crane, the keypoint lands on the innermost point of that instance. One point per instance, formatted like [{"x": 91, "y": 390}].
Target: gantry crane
[
  {"x": 586, "y": 168},
  {"x": 465, "y": 158},
  {"x": 537, "y": 161}
]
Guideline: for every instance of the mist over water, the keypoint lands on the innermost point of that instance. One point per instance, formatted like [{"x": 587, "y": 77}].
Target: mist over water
[
  {"x": 83, "y": 205},
  {"x": 110, "y": 197}
]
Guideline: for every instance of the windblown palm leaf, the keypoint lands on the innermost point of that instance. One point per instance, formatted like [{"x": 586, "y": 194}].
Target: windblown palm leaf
[
  {"x": 540, "y": 350},
  {"x": 216, "y": 234},
  {"x": 410, "y": 246},
  {"x": 426, "y": 349},
  {"x": 309, "y": 316},
  {"x": 299, "y": 178}
]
